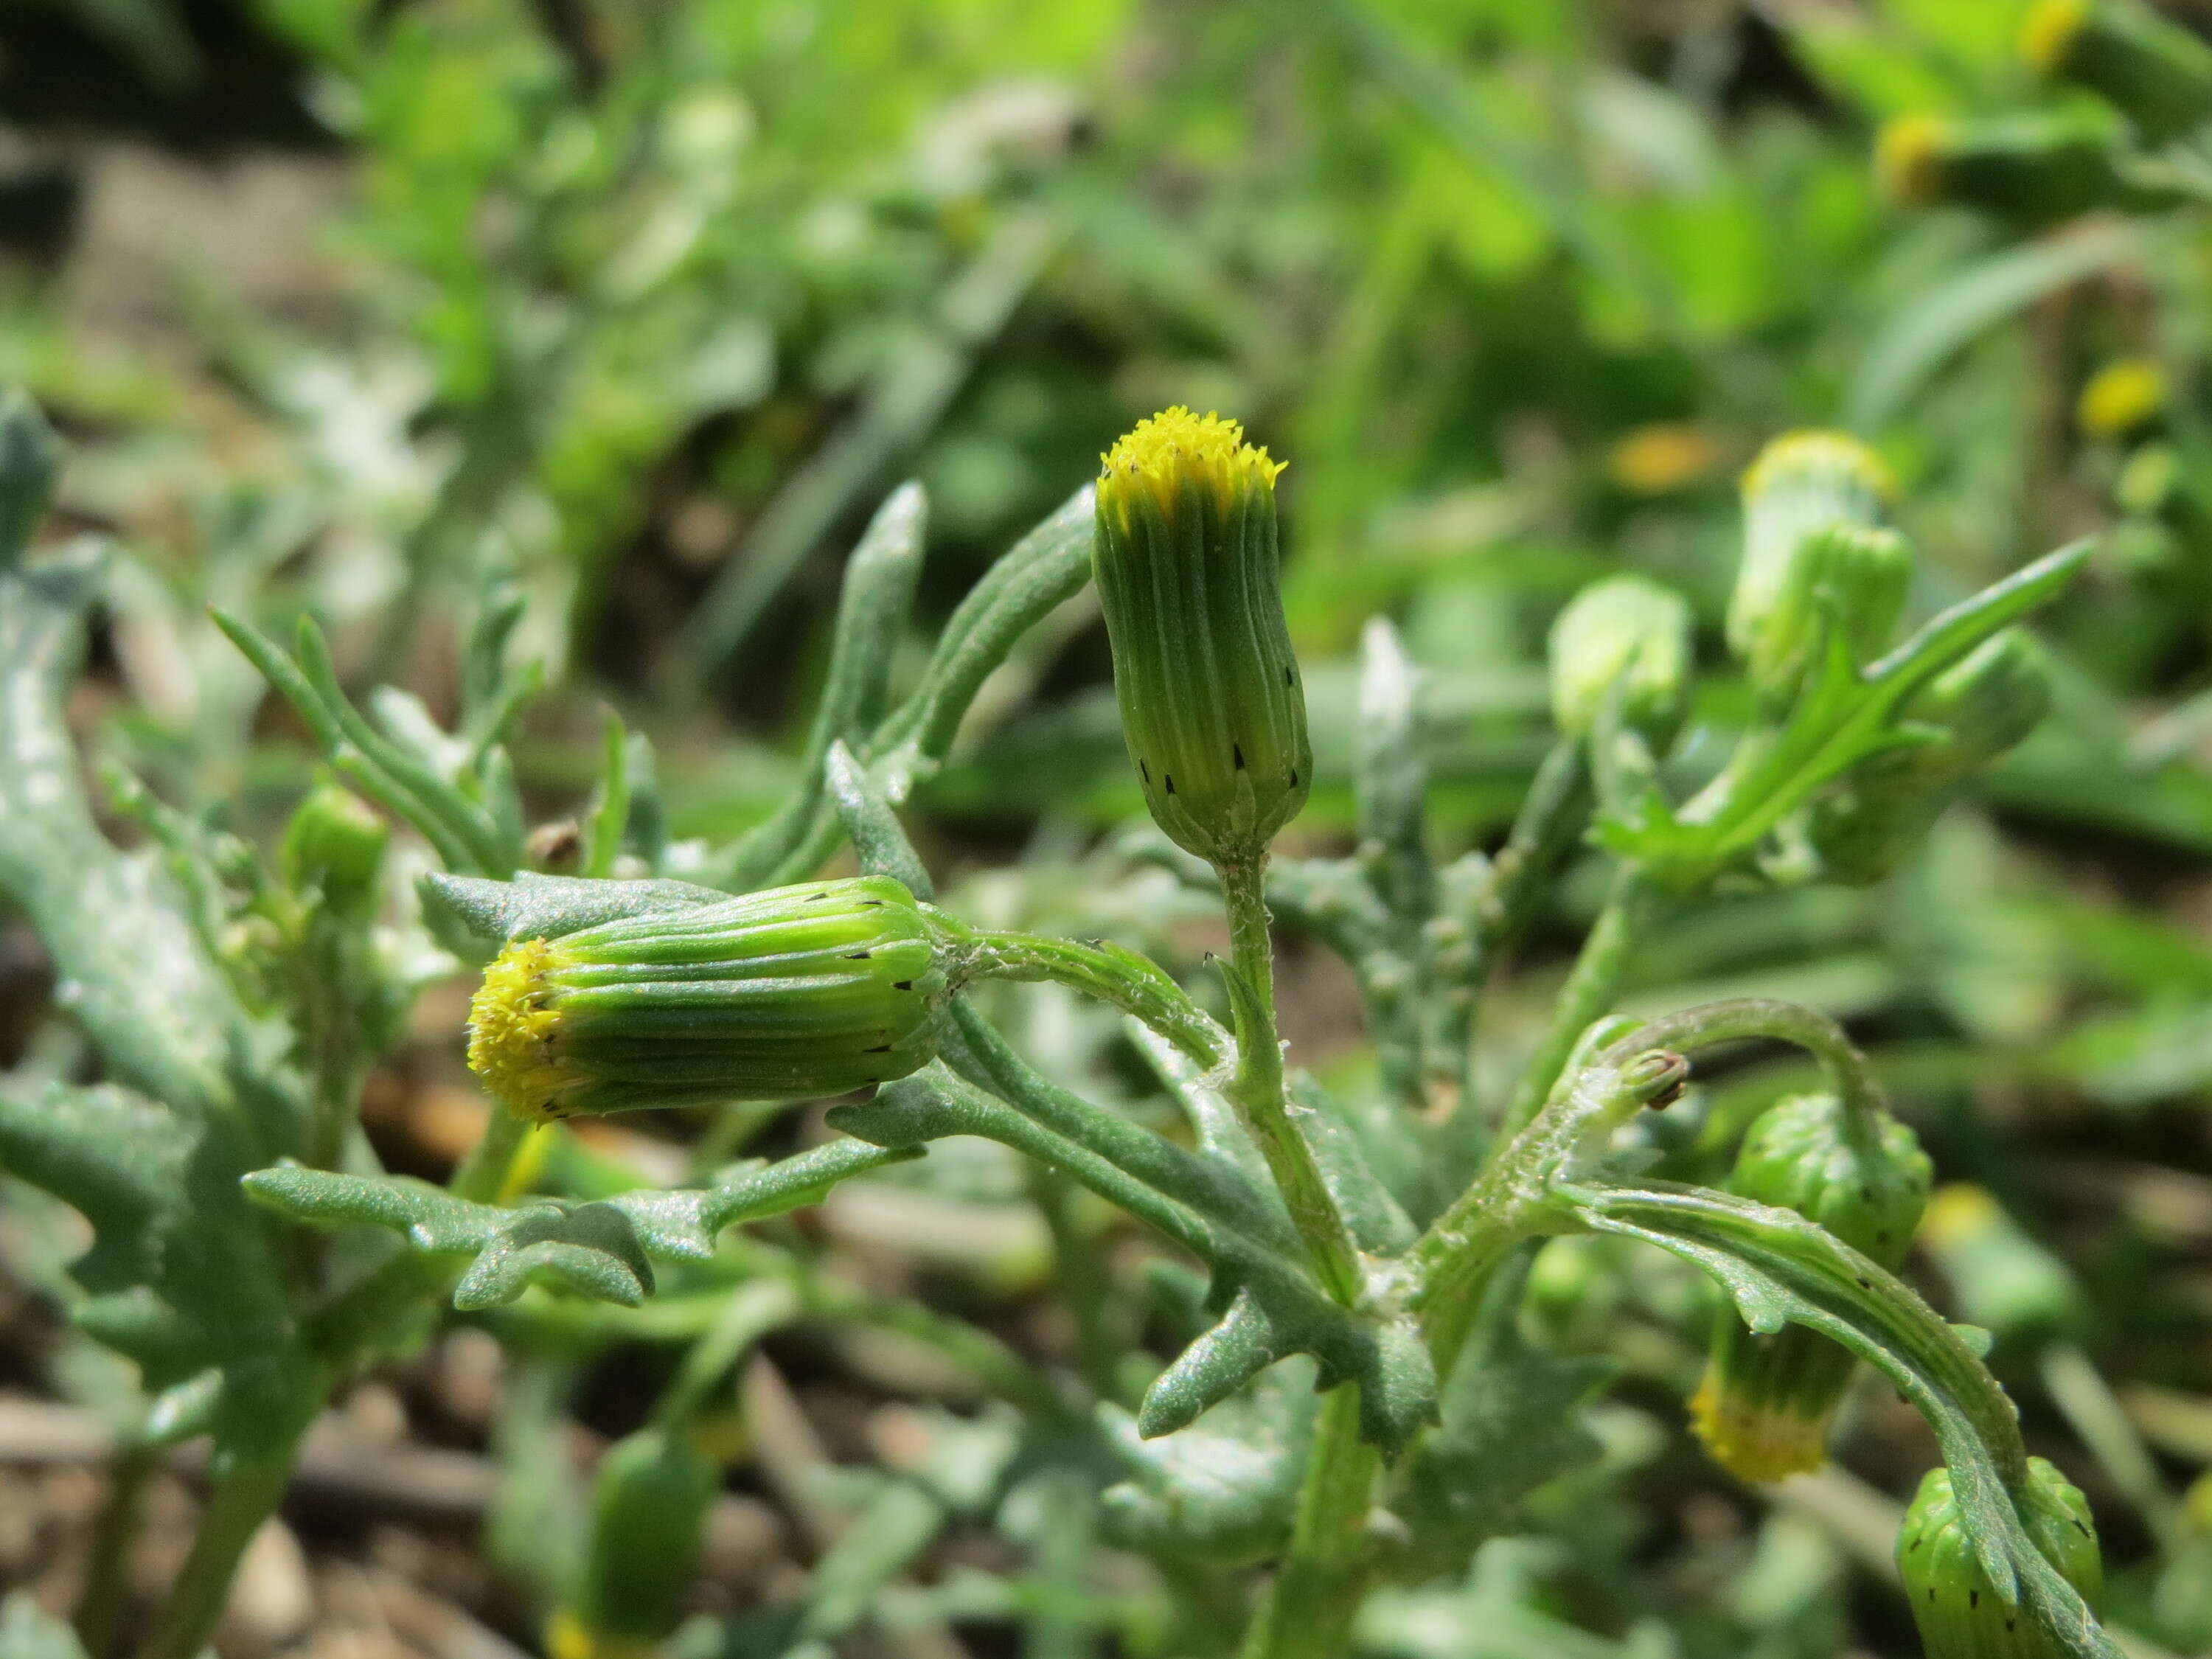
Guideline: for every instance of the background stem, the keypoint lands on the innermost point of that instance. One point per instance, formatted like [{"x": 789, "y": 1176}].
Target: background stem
[
  {"x": 242, "y": 1499},
  {"x": 1590, "y": 992},
  {"x": 1306, "y": 1613}
]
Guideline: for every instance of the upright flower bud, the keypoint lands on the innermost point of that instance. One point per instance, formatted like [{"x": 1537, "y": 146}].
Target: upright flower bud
[
  {"x": 1958, "y": 1610},
  {"x": 650, "y": 1503},
  {"x": 1967, "y": 716},
  {"x": 2034, "y": 168},
  {"x": 333, "y": 846},
  {"x": 791, "y": 993},
  {"x": 1189, "y": 577},
  {"x": 2154, "y": 71},
  {"x": 1766, "y": 1401},
  {"x": 1815, "y": 553},
  {"x": 1628, "y": 632}
]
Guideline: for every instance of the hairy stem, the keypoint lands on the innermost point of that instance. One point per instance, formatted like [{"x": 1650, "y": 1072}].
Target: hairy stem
[
  {"x": 1257, "y": 1088},
  {"x": 1306, "y": 1613},
  {"x": 243, "y": 1497},
  {"x": 1589, "y": 993}
]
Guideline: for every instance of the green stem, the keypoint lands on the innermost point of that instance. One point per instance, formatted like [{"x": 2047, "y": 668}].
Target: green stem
[
  {"x": 242, "y": 1499},
  {"x": 107, "y": 1579},
  {"x": 1306, "y": 1613},
  {"x": 1589, "y": 993},
  {"x": 1120, "y": 977},
  {"x": 1256, "y": 1090},
  {"x": 482, "y": 1176},
  {"x": 1081, "y": 1276}
]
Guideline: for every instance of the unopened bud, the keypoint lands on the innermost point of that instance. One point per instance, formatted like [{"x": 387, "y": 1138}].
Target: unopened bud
[
  {"x": 1627, "y": 637},
  {"x": 1189, "y": 580},
  {"x": 334, "y": 846},
  {"x": 2152, "y": 71},
  {"x": 1767, "y": 1400},
  {"x": 792, "y": 994},
  {"x": 649, "y": 1502},
  {"x": 1960, "y": 1612}
]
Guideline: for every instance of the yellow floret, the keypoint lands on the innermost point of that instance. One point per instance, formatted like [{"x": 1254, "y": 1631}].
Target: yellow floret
[
  {"x": 1175, "y": 448},
  {"x": 1757, "y": 1445},
  {"x": 2121, "y": 397},
  {"x": 1814, "y": 452},
  {"x": 2047, "y": 33},
  {"x": 511, "y": 1029},
  {"x": 1908, "y": 158}
]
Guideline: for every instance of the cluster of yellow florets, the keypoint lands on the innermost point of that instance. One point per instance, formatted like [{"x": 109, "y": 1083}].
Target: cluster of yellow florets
[
  {"x": 1813, "y": 454},
  {"x": 1764, "y": 1443},
  {"x": 511, "y": 1026},
  {"x": 1176, "y": 447}
]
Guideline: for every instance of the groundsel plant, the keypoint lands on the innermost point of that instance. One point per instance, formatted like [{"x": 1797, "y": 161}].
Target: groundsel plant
[{"x": 1346, "y": 1271}]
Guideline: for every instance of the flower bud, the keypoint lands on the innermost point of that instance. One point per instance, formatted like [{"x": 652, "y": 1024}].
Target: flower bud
[
  {"x": 2153, "y": 70},
  {"x": 1959, "y": 1612},
  {"x": 1627, "y": 632},
  {"x": 650, "y": 1503},
  {"x": 1814, "y": 550},
  {"x": 1189, "y": 577},
  {"x": 791, "y": 993},
  {"x": 2122, "y": 398},
  {"x": 2034, "y": 168},
  {"x": 2002, "y": 1280},
  {"x": 334, "y": 846},
  {"x": 1766, "y": 1401}
]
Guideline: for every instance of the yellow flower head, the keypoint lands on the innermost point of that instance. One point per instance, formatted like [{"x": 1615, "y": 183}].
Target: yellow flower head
[
  {"x": 1908, "y": 158},
  {"x": 2047, "y": 33},
  {"x": 2121, "y": 397},
  {"x": 1175, "y": 449},
  {"x": 1816, "y": 453},
  {"x": 1760, "y": 1439},
  {"x": 511, "y": 1027}
]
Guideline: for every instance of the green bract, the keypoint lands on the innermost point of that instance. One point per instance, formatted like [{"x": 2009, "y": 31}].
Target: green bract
[
  {"x": 1624, "y": 631},
  {"x": 787, "y": 994},
  {"x": 1814, "y": 550},
  {"x": 2153, "y": 70},
  {"x": 1189, "y": 577},
  {"x": 1767, "y": 1400},
  {"x": 1960, "y": 1612}
]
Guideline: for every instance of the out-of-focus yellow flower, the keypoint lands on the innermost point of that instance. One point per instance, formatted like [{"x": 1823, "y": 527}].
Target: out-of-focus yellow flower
[
  {"x": 1664, "y": 457},
  {"x": 2121, "y": 397}
]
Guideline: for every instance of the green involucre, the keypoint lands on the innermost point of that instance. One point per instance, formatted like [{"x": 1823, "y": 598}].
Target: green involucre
[
  {"x": 1625, "y": 631},
  {"x": 791, "y": 993},
  {"x": 1189, "y": 570},
  {"x": 1960, "y": 1612},
  {"x": 1767, "y": 1400}
]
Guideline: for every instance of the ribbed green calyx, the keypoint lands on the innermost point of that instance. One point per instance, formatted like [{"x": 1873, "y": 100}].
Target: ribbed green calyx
[
  {"x": 1958, "y": 1611},
  {"x": 1766, "y": 1401},
  {"x": 1625, "y": 632},
  {"x": 2154, "y": 71},
  {"x": 1189, "y": 577},
  {"x": 1965, "y": 718},
  {"x": 792, "y": 993},
  {"x": 2034, "y": 169},
  {"x": 1815, "y": 552},
  {"x": 649, "y": 1504}
]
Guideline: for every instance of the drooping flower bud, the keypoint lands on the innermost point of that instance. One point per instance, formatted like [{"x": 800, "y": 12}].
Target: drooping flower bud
[
  {"x": 2154, "y": 71},
  {"x": 1815, "y": 553},
  {"x": 1959, "y": 1612},
  {"x": 649, "y": 1501},
  {"x": 1189, "y": 577},
  {"x": 791, "y": 993},
  {"x": 1966, "y": 716},
  {"x": 1628, "y": 632},
  {"x": 1766, "y": 1401},
  {"x": 2033, "y": 168}
]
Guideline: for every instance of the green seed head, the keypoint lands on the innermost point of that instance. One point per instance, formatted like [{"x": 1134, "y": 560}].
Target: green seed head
[
  {"x": 1960, "y": 1612},
  {"x": 1627, "y": 632},
  {"x": 2153, "y": 70},
  {"x": 1766, "y": 1401},
  {"x": 2033, "y": 168},
  {"x": 792, "y": 993},
  {"x": 1189, "y": 577}
]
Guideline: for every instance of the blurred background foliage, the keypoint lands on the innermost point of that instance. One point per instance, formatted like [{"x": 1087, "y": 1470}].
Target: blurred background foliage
[{"x": 366, "y": 309}]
